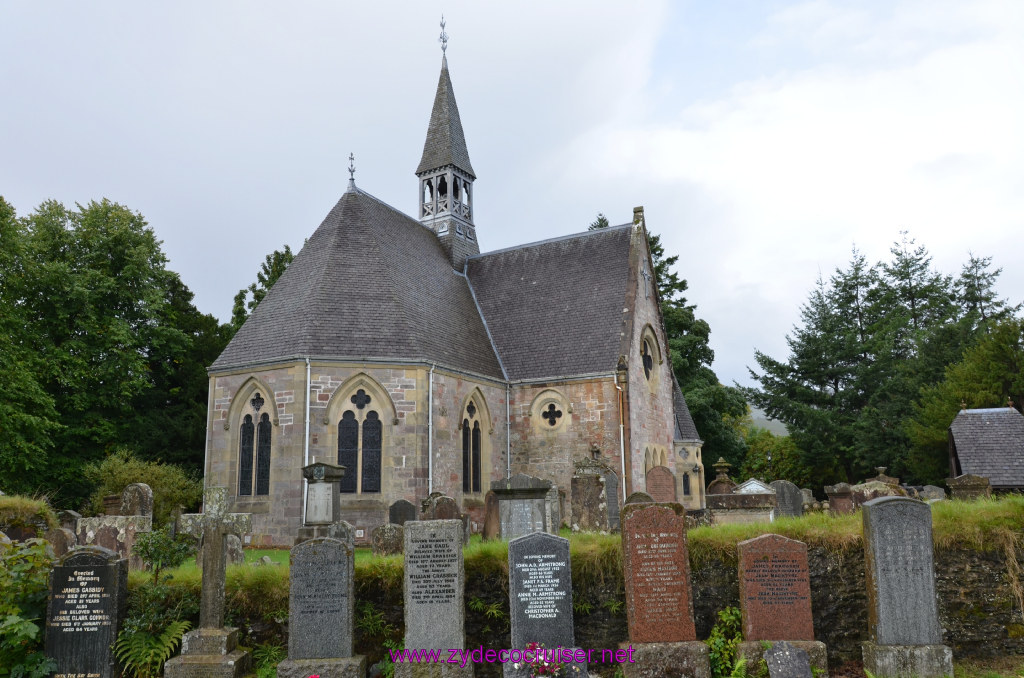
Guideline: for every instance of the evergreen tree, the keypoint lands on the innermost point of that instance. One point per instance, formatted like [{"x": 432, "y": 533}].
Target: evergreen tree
[{"x": 271, "y": 269}]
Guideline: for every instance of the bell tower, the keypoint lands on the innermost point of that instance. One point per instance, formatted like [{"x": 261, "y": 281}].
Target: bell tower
[{"x": 446, "y": 175}]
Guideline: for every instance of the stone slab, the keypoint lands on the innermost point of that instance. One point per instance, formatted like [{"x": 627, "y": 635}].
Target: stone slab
[
  {"x": 540, "y": 591},
  {"x": 137, "y": 500},
  {"x": 639, "y": 498},
  {"x": 87, "y": 603},
  {"x": 661, "y": 484},
  {"x": 589, "y": 503},
  {"x": 787, "y": 661},
  {"x": 387, "y": 540},
  {"x": 899, "y": 572},
  {"x": 320, "y": 615},
  {"x": 438, "y": 506},
  {"x": 235, "y": 664},
  {"x": 667, "y": 660},
  {"x": 905, "y": 661},
  {"x": 775, "y": 589},
  {"x": 492, "y": 520},
  {"x": 345, "y": 667},
  {"x": 816, "y": 652},
  {"x": 656, "y": 564},
  {"x": 434, "y": 585}
]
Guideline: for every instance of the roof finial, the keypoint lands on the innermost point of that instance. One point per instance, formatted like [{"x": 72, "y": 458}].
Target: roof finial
[
  {"x": 351, "y": 170},
  {"x": 444, "y": 38}
]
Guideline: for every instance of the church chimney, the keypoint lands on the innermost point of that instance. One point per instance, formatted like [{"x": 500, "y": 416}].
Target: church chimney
[{"x": 446, "y": 175}]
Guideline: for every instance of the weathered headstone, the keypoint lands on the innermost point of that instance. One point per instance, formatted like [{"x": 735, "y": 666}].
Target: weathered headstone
[
  {"x": 387, "y": 540},
  {"x": 840, "y": 498},
  {"x": 589, "y": 503},
  {"x": 903, "y": 617},
  {"x": 639, "y": 498},
  {"x": 521, "y": 505},
  {"x": 969, "y": 487},
  {"x": 137, "y": 500},
  {"x": 4, "y": 539},
  {"x": 212, "y": 649},
  {"x": 540, "y": 598},
  {"x": 401, "y": 512},
  {"x": 492, "y": 520},
  {"x": 323, "y": 500},
  {"x": 808, "y": 495},
  {"x": 115, "y": 532},
  {"x": 775, "y": 597},
  {"x": 435, "y": 580},
  {"x": 659, "y": 599},
  {"x": 786, "y": 661},
  {"x": 661, "y": 484},
  {"x": 236, "y": 554},
  {"x": 69, "y": 520},
  {"x": 88, "y": 599},
  {"x": 789, "y": 500},
  {"x": 438, "y": 506},
  {"x": 753, "y": 486},
  {"x": 61, "y": 540},
  {"x": 553, "y": 510},
  {"x": 320, "y": 612},
  {"x": 932, "y": 493}
]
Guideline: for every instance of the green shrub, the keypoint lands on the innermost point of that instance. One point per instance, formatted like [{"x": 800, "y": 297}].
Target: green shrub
[
  {"x": 725, "y": 636},
  {"x": 24, "y": 572},
  {"x": 22, "y": 512},
  {"x": 172, "y": 487}
]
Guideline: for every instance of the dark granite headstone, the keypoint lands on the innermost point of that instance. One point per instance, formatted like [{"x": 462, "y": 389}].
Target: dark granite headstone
[
  {"x": 775, "y": 589},
  {"x": 661, "y": 484},
  {"x": 786, "y": 661},
  {"x": 88, "y": 598},
  {"x": 401, "y": 511},
  {"x": 387, "y": 540},
  {"x": 540, "y": 595},
  {"x": 900, "y": 577},
  {"x": 611, "y": 493},
  {"x": 137, "y": 500},
  {"x": 492, "y": 520},
  {"x": 656, "y": 567},
  {"x": 789, "y": 500}
]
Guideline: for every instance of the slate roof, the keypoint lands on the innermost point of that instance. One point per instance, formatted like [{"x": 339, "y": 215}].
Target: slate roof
[
  {"x": 370, "y": 283},
  {"x": 556, "y": 308},
  {"x": 446, "y": 143},
  {"x": 990, "y": 443},
  {"x": 685, "y": 428}
]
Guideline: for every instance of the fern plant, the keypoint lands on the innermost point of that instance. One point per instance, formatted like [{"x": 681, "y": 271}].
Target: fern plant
[{"x": 143, "y": 654}]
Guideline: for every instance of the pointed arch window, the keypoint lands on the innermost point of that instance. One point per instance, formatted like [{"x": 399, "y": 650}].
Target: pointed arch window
[
  {"x": 472, "y": 458},
  {"x": 254, "y": 446},
  {"x": 360, "y": 445},
  {"x": 686, "y": 484}
]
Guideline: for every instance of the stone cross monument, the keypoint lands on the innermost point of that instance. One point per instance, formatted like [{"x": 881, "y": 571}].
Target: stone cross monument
[{"x": 212, "y": 648}]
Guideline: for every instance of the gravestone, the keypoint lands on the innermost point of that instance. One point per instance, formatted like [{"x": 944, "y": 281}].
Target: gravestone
[
  {"x": 553, "y": 510},
  {"x": 4, "y": 539},
  {"x": 661, "y": 484},
  {"x": 786, "y": 661},
  {"x": 387, "y": 540},
  {"x": 137, "y": 500},
  {"x": 540, "y": 598},
  {"x": 753, "y": 486},
  {"x": 69, "y": 520},
  {"x": 61, "y": 540},
  {"x": 323, "y": 500},
  {"x": 492, "y": 521},
  {"x": 521, "y": 505},
  {"x": 320, "y": 612},
  {"x": 236, "y": 554},
  {"x": 659, "y": 598},
  {"x": 932, "y": 493},
  {"x": 968, "y": 487},
  {"x": 88, "y": 601},
  {"x": 438, "y": 506},
  {"x": 775, "y": 597},
  {"x": 401, "y": 512},
  {"x": 903, "y": 618},
  {"x": 639, "y": 498},
  {"x": 435, "y": 580},
  {"x": 808, "y": 495},
  {"x": 789, "y": 500},
  {"x": 840, "y": 498},
  {"x": 589, "y": 503},
  {"x": 722, "y": 484},
  {"x": 212, "y": 649}
]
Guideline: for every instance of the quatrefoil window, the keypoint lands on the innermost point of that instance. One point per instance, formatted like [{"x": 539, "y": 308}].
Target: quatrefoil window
[
  {"x": 552, "y": 414},
  {"x": 360, "y": 399},
  {"x": 471, "y": 409},
  {"x": 645, "y": 355},
  {"x": 257, "y": 402}
]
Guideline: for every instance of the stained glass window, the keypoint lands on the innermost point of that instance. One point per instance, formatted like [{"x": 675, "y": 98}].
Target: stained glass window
[
  {"x": 245, "y": 440},
  {"x": 371, "y": 452},
  {"x": 348, "y": 450},
  {"x": 263, "y": 456},
  {"x": 466, "y": 456},
  {"x": 476, "y": 456},
  {"x": 686, "y": 484}
]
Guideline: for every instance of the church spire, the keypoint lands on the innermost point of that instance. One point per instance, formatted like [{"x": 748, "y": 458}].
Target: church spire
[{"x": 445, "y": 173}]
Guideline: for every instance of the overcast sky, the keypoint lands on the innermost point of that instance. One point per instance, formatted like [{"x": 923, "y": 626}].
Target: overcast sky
[{"x": 764, "y": 139}]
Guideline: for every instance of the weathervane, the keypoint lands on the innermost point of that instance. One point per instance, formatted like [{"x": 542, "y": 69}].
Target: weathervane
[
  {"x": 444, "y": 37},
  {"x": 351, "y": 166}
]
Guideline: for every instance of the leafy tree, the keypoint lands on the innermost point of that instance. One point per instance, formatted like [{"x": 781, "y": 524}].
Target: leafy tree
[
  {"x": 786, "y": 458},
  {"x": 710, "y": 403},
  {"x": 271, "y": 269},
  {"x": 28, "y": 419},
  {"x": 171, "y": 486},
  {"x": 990, "y": 374}
]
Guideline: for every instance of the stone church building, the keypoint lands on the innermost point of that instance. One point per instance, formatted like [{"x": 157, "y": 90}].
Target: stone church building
[{"x": 393, "y": 347}]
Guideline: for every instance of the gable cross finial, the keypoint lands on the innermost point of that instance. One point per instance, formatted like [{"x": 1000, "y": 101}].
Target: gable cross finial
[
  {"x": 351, "y": 166},
  {"x": 444, "y": 38}
]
